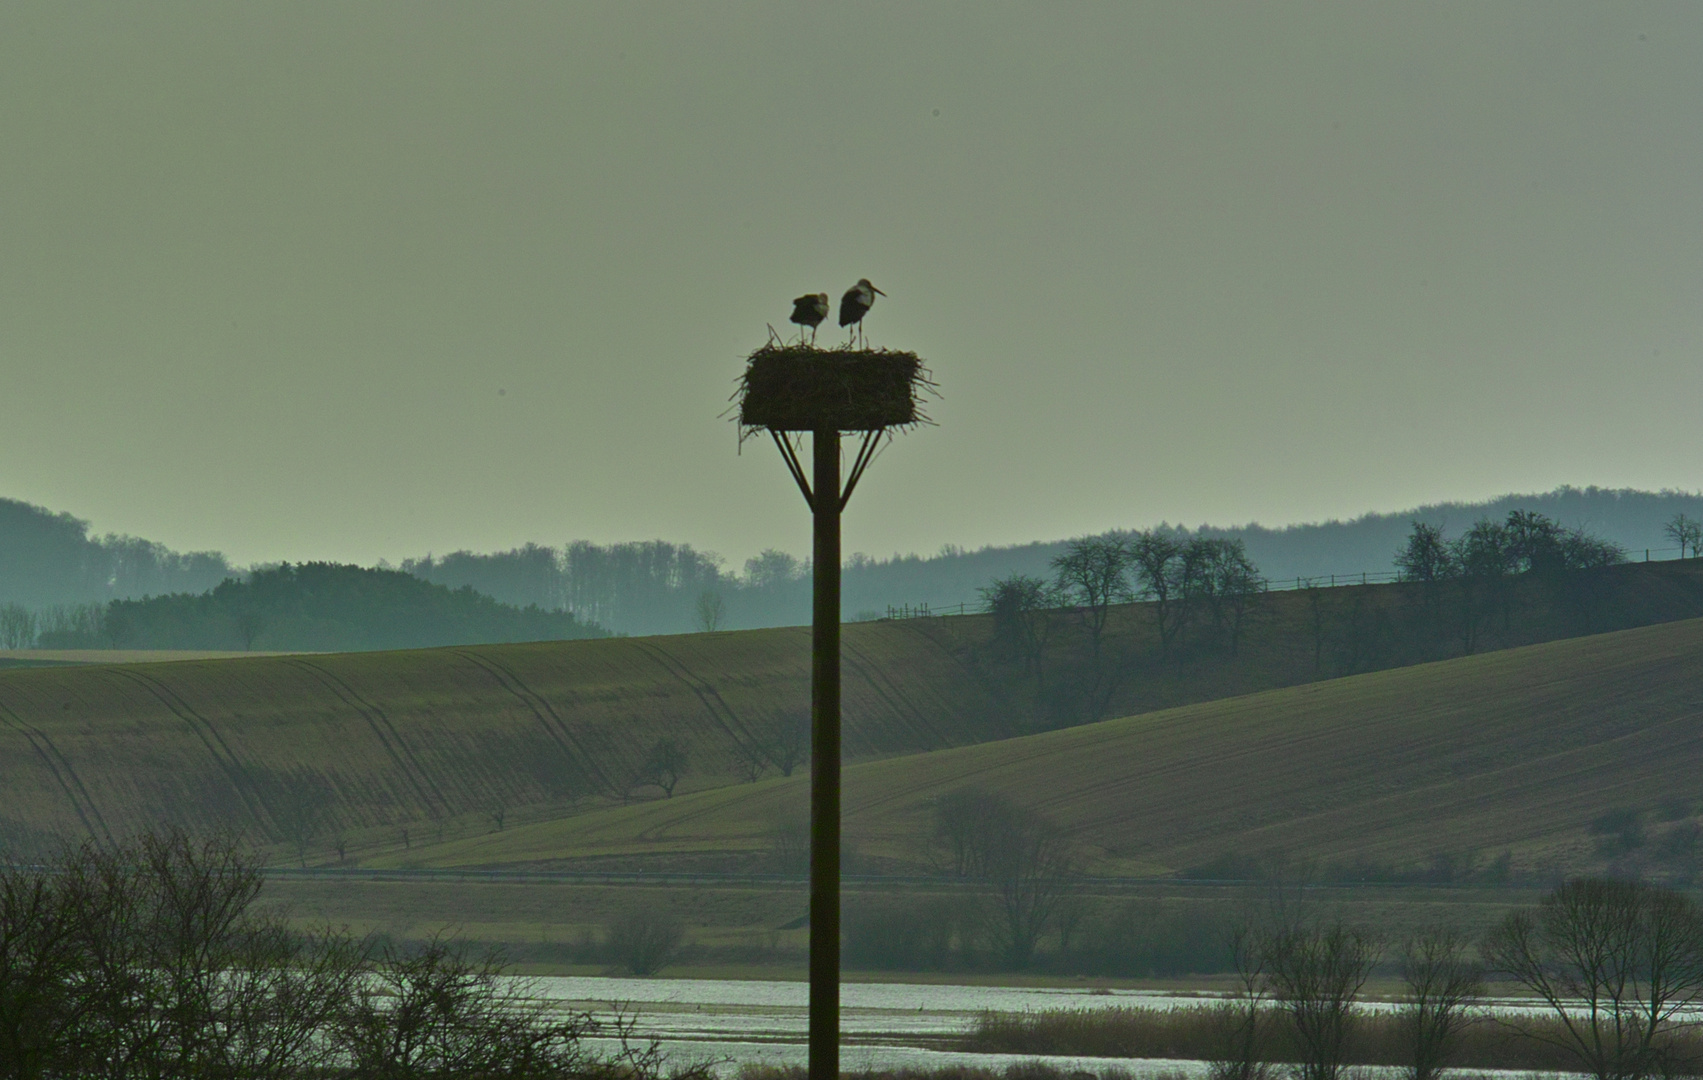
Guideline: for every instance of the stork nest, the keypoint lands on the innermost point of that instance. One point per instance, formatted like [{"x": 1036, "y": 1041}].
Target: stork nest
[{"x": 803, "y": 388}]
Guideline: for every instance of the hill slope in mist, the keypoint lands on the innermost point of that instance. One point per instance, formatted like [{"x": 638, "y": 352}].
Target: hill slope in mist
[{"x": 1520, "y": 751}]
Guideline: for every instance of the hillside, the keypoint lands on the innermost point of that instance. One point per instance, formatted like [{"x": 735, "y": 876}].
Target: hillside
[
  {"x": 1519, "y": 751},
  {"x": 299, "y": 748},
  {"x": 381, "y": 751}
]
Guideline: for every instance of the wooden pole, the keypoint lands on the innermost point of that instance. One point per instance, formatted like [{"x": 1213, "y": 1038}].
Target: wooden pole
[{"x": 825, "y": 764}]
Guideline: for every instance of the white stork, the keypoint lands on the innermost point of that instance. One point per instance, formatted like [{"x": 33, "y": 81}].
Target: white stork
[
  {"x": 855, "y": 304},
  {"x": 809, "y": 310}
]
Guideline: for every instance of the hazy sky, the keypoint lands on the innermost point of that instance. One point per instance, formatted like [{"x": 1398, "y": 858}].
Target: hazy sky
[{"x": 355, "y": 281}]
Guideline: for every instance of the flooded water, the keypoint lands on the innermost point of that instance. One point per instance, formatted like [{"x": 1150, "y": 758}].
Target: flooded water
[{"x": 883, "y": 1025}]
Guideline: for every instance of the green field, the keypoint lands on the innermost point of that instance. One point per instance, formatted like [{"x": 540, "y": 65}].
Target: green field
[{"x": 1515, "y": 751}]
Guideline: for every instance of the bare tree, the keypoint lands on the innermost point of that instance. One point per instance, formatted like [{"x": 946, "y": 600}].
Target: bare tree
[
  {"x": 784, "y": 742},
  {"x": 248, "y": 623},
  {"x": 1093, "y": 574},
  {"x": 1153, "y": 556},
  {"x": 1233, "y": 581},
  {"x": 302, "y": 811},
  {"x": 1428, "y": 560},
  {"x": 1190, "y": 582},
  {"x": 1485, "y": 560},
  {"x": 1215, "y": 572},
  {"x": 1033, "y": 873},
  {"x": 42, "y": 926},
  {"x": 1028, "y": 862},
  {"x": 788, "y": 741},
  {"x": 1315, "y": 974},
  {"x": 749, "y": 760},
  {"x": 440, "y": 1011},
  {"x": 182, "y": 978},
  {"x": 711, "y": 611},
  {"x": 1686, "y": 533},
  {"x": 1425, "y": 557},
  {"x": 1239, "y": 1023},
  {"x": 148, "y": 959},
  {"x": 1018, "y": 605},
  {"x": 959, "y": 824},
  {"x": 1444, "y": 982},
  {"x": 645, "y": 939},
  {"x": 663, "y": 765},
  {"x": 1618, "y": 963}
]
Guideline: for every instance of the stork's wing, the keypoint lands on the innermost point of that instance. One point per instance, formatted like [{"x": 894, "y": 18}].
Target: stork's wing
[{"x": 852, "y": 308}]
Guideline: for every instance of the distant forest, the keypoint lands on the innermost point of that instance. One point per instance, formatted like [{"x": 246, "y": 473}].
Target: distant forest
[{"x": 49, "y": 560}]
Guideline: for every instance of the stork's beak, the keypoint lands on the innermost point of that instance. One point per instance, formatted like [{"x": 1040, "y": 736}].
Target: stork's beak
[{"x": 877, "y": 290}]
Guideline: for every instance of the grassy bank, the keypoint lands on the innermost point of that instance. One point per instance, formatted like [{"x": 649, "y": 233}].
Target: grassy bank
[{"x": 1377, "y": 1038}]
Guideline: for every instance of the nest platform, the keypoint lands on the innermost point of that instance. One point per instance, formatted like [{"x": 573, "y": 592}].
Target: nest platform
[{"x": 803, "y": 388}]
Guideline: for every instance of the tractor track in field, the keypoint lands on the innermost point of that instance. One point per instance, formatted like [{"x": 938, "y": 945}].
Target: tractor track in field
[
  {"x": 894, "y": 698},
  {"x": 720, "y": 711},
  {"x": 554, "y": 726},
  {"x": 394, "y": 745},
  {"x": 202, "y": 728},
  {"x": 56, "y": 761}
]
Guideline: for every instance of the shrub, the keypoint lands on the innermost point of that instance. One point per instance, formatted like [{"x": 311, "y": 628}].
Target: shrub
[
  {"x": 439, "y": 1011},
  {"x": 1619, "y": 963},
  {"x": 645, "y": 940},
  {"x": 148, "y": 958}
]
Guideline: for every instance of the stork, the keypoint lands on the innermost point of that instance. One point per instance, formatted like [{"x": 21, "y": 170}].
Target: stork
[
  {"x": 809, "y": 310},
  {"x": 855, "y": 304}
]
